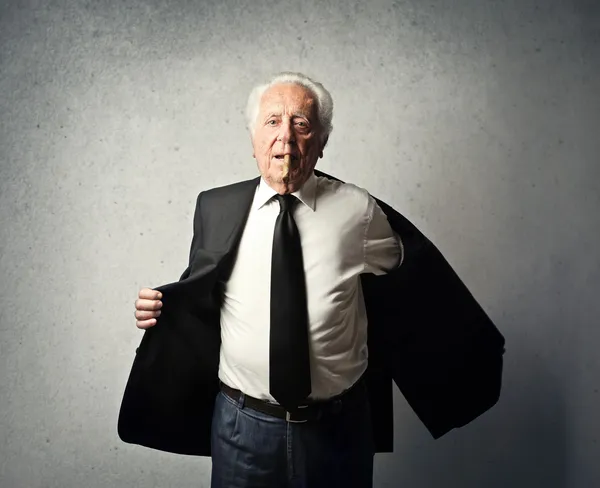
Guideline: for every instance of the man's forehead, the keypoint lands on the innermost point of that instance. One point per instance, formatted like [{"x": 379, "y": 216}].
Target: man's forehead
[{"x": 283, "y": 95}]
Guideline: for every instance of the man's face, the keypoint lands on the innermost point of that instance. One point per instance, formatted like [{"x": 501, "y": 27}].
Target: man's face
[{"x": 287, "y": 123}]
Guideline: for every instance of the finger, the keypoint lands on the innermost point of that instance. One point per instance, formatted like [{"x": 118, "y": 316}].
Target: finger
[
  {"x": 146, "y": 315},
  {"x": 141, "y": 304},
  {"x": 150, "y": 294},
  {"x": 145, "y": 324}
]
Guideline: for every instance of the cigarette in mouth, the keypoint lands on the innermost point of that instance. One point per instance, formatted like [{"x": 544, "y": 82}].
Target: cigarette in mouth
[{"x": 286, "y": 165}]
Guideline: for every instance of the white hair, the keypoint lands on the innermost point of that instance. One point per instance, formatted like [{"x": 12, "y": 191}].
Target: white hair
[{"x": 324, "y": 100}]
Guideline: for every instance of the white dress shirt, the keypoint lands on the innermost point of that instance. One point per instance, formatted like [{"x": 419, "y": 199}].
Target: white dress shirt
[{"x": 343, "y": 233}]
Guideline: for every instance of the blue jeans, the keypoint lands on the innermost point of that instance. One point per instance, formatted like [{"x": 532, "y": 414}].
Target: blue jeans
[{"x": 251, "y": 449}]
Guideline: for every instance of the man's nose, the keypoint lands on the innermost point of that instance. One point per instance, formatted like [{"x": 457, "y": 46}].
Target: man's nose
[{"x": 286, "y": 133}]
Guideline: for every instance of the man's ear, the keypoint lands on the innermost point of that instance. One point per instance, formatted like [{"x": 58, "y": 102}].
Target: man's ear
[{"x": 323, "y": 147}]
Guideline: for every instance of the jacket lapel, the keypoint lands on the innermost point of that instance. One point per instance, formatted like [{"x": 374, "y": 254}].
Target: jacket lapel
[{"x": 216, "y": 242}]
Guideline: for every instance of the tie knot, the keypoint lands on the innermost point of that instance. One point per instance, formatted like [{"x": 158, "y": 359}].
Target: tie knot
[{"x": 286, "y": 201}]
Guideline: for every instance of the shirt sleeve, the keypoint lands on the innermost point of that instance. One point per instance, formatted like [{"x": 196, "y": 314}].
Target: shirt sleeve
[{"x": 383, "y": 249}]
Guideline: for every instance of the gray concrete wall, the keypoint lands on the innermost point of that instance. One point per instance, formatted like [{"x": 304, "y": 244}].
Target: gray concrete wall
[{"x": 478, "y": 119}]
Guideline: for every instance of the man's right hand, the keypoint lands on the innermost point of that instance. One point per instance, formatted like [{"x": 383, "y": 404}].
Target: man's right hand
[{"x": 147, "y": 308}]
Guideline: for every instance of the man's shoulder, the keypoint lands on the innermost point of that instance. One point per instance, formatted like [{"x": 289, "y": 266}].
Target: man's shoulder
[
  {"x": 332, "y": 185},
  {"x": 229, "y": 189}
]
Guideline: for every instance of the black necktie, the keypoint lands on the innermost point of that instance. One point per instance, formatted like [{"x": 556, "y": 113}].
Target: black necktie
[{"x": 289, "y": 366}]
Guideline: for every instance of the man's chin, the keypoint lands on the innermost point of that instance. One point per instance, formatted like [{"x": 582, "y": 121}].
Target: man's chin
[
  {"x": 293, "y": 177},
  {"x": 287, "y": 185}
]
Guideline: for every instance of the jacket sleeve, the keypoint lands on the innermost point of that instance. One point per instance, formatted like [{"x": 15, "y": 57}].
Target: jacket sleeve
[{"x": 196, "y": 238}]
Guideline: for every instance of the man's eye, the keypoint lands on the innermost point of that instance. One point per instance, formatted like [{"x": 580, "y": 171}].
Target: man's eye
[
  {"x": 301, "y": 123},
  {"x": 271, "y": 122}
]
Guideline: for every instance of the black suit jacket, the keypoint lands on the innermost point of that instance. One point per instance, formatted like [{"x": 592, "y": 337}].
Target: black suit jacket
[{"x": 426, "y": 333}]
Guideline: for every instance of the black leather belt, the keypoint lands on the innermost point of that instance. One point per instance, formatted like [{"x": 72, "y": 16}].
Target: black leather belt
[{"x": 313, "y": 410}]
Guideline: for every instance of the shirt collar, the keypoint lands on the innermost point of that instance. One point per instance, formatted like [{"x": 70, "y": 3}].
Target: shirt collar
[{"x": 306, "y": 194}]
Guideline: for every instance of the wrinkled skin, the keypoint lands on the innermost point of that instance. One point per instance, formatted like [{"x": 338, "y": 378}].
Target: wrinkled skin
[{"x": 287, "y": 123}]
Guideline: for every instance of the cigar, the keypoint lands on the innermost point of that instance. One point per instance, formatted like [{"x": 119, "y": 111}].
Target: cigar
[{"x": 286, "y": 165}]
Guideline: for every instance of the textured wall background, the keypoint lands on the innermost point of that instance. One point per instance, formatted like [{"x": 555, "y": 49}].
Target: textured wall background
[{"x": 477, "y": 119}]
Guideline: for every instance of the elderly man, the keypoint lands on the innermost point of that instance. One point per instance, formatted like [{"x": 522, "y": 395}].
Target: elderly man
[{"x": 275, "y": 351}]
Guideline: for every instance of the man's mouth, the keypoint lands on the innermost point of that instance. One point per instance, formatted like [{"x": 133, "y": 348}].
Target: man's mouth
[{"x": 293, "y": 157}]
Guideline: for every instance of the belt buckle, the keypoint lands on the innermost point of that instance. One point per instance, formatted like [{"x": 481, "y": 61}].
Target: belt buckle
[{"x": 288, "y": 416}]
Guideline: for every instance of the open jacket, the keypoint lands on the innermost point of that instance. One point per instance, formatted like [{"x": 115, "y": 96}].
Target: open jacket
[{"x": 426, "y": 333}]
